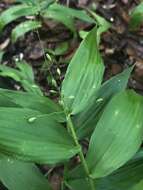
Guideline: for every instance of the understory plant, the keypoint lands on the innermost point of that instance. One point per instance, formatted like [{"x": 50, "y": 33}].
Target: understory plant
[
  {"x": 136, "y": 17},
  {"x": 107, "y": 117},
  {"x": 37, "y": 13}
]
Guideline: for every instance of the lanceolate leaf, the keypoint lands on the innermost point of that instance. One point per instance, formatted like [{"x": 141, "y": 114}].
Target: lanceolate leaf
[
  {"x": 125, "y": 178},
  {"x": 17, "y": 175},
  {"x": 15, "y": 12},
  {"x": 23, "y": 28},
  {"x": 85, "y": 122},
  {"x": 80, "y": 14},
  {"x": 27, "y": 135},
  {"x": 118, "y": 134},
  {"x": 10, "y": 98},
  {"x": 84, "y": 75},
  {"x": 66, "y": 15}
]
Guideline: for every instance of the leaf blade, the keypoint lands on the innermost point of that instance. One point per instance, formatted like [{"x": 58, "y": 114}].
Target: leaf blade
[
  {"x": 83, "y": 76},
  {"x": 117, "y": 149},
  {"x": 15, "y": 12},
  {"x": 66, "y": 15},
  {"x": 29, "y": 136},
  {"x": 127, "y": 177},
  {"x": 85, "y": 122},
  {"x": 23, "y": 28},
  {"x": 17, "y": 175},
  {"x": 136, "y": 17},
  {"x": 10, "y": 98}
]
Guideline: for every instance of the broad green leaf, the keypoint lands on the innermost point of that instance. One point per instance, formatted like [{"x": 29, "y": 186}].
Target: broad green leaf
[
  {"x": 78, "y": 184},
  {"x": 85, "y": 122},
  {"x": 14, "y": 13},
  {"x": 23, "y": 28},
  {"x": 125, "y": 178},
  {"x": 27, "y": 135},
  {"x": 10, "y": 98},
  {"x": 58, "y": 116},
  {"x": 17, "y": 175},
  {"x": 136, "y": 17},
  {"x": 84, "y": 75},
  {"x": 66, "y": 15},
  {"x": 19, "y": 99},
  {"x": 118, "y": 134}
]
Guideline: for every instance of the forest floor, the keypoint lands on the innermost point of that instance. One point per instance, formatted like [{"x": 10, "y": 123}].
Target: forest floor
[{"x": 120, "y": 48}]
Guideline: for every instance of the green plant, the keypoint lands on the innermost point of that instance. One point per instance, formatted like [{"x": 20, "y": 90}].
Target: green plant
[
  {"x": 107, "y": 116},
  {"x": 1, "y": 55},
  {"x": 136, "y": 17},
  {"x": 40, "y": 10},
  {"x": 23, "y": 75}
]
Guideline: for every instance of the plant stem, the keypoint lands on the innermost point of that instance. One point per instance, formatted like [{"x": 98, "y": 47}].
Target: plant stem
[{"x": 82, "y": 159}]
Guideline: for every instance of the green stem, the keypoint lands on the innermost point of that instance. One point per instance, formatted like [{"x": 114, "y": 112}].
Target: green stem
[{"x": 83, "y": 161}]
